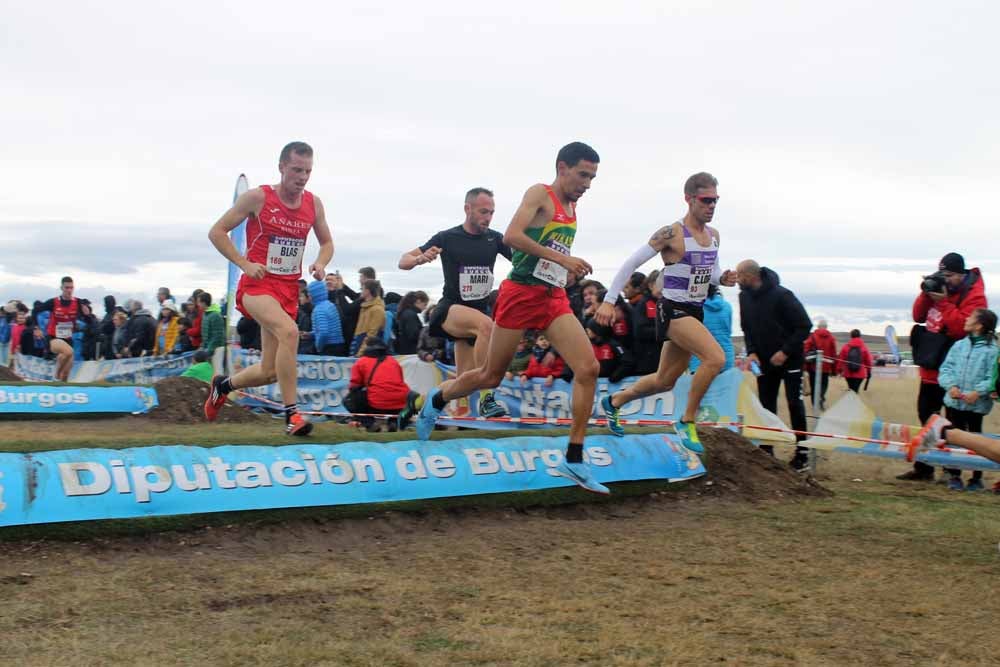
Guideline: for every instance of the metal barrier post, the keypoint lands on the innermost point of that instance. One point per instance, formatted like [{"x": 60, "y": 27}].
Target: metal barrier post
[{"x": 817, "y": 393}]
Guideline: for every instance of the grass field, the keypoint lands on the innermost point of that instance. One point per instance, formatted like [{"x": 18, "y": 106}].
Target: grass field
[{"x": 882, "y": 573}]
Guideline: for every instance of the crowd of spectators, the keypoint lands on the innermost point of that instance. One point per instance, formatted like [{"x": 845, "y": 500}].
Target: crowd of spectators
[
  {"x": 334, "y": 319},
  {"x": 122, "y": 331}
]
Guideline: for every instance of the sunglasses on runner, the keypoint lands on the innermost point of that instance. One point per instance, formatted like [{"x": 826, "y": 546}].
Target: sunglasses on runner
[{"x": 708, "y": 201}]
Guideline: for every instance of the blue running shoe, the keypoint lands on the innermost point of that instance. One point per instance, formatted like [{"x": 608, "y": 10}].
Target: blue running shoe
[
  {"x": 579, "y": 473},
  {"x": 689, "y": 436},
  {"x": 488, "y": 406},
  {"x": 974, "y": 484},
  {"x": 428, "y": 416},
  {"x": 955, "y": 484},
  {"x": 611, "y": 412}
]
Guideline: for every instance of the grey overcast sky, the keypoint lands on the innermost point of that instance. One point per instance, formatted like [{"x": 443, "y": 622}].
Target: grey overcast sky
[{"x": 855, "y": 142}]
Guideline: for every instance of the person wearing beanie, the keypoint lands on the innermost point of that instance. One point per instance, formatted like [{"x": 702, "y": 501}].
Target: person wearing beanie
[{"x": 940, "y": 314}]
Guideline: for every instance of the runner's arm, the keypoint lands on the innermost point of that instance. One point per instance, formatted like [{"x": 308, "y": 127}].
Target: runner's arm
[
  {"x": 668, "y": 238},
  {"x": 322, "y": 231},
  {"x": 424, "y": 254},
  {"x": 249, "y": 202},
  {"x": 643, "y": 254},
  {"x": 534, "y": 201}
]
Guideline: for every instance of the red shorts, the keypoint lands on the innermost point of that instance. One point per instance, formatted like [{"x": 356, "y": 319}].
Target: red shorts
[
  {"x": 285, "y": 292},
  {"x": 529, "y": 306}
]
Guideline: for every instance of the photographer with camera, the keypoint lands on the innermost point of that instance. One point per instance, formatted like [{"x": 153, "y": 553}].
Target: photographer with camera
[{"x": 947, "y": 298}]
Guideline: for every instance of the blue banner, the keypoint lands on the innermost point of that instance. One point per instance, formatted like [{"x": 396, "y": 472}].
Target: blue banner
[
  {"x": 51, "y": 399},
  {"x": 86, "y": 484},
  {"x": 323, "y": 382},
  {"x": 138, "y": 370}
]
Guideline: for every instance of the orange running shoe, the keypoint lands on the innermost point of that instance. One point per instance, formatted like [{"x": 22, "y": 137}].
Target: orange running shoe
[{"x": 298, "y": 425}]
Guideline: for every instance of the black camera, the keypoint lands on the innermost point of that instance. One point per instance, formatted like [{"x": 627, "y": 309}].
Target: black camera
[{"x": 934, "y": 282}]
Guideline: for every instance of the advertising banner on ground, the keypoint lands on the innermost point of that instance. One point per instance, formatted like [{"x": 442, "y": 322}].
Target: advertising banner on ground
[
  {"x": 140, "y": 370},
  {"x": 849, "y": 416},
  {"x": 324, "y": 381},
  {"x": 86, "y": 484},
  {"x": 52, "y": 399}
]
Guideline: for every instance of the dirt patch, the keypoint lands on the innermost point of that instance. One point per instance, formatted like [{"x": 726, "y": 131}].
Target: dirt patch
[
  {"x": 7, "y": 375},
  {"x": 182, "y": 401},
  {"x": 738, "y": 469}
]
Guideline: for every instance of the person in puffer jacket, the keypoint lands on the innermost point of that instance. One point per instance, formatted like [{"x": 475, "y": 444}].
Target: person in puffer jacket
[
  {"x": 967, "y": 377},
  {"x": 821, "y": 340},
  {"x": 328, "y": 335},
  {"x": 719, "y": 322},
  {"x": 856, "y": 366}
]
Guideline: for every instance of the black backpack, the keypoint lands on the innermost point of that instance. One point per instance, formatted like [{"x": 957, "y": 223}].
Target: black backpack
[{"x": 854, "y": 358}]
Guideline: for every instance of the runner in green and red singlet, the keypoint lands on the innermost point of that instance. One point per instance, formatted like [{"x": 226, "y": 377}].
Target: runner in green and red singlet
[{"x": 534, "y": 297}]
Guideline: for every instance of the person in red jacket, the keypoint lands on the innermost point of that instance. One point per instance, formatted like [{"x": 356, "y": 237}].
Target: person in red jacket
[
  {"x": 821, "y": 340},
  {"x": 388, "y": 393},
  {"x": 943, "y": 310},
  {"x": 545, "y": 362},
  {"x": 855, "y": 361}
]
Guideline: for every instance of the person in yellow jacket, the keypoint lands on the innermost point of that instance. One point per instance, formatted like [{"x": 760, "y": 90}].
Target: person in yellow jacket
[
  {"x": 371, "y": 321},
  {"x": 167, "y": 329}
]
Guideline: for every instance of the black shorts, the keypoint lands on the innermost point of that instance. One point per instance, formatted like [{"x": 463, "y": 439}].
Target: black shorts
[
  {"x": 436, "y": 323},
  {"x": 667, "y": 311}
]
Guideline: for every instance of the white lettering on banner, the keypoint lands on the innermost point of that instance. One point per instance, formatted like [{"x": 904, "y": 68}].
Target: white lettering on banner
[
  {"x": 3, "y": 505},
  {"x": 143, "y": 482},
  {"x": 120, "y": 476},
  {"x": 251, "y": 475},
  {"x": 325, "y": 370},
  {"x": 45, "y": 399},
  {"x": 485, "y": 461},
  {"x": 71, "y": 475},
  {"x": 536, "y": 401}
]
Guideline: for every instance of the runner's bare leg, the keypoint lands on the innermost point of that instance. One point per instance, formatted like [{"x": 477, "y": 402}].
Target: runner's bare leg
[
  {"x": 279, "y": 348},
  {"x": 503, "y": 345},
  {"x": 690, "y": 334},
  {"x": 464, "y": 322},
  {"x": 569, "y": 339}
]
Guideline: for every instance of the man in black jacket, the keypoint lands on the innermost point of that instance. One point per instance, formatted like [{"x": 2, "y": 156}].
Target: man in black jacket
[
  {"x": 141, "y": 329},
  {"x": 775, "y": 327}
]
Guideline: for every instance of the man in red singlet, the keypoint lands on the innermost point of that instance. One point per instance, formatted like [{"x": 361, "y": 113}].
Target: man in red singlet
[
  {"x": 65, "y": 309},
  {"x": 534, "y": 297},
  {"x": 278, "y": 222}
]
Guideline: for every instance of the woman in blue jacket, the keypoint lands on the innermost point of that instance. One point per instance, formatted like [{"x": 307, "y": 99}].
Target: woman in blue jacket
[{"x": 967, "y": 376}]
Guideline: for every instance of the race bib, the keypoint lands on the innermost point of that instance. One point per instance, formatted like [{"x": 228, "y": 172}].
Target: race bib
[
  {"x": 284, "y": 255},
  {"x": 474, "y": 282},
  {"x": 701, "y": 277},
  {"x": 64, "y": 329},
  {"x": 550, "y": 272}
]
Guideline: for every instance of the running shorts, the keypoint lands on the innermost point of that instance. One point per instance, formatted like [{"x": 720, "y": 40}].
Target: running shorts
[
  {"x": 440, "y": 314},
  {"x": 667, "y": 311},
  {"x": 285, "y": 292},
  {"x": 529, "y": 306}
]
